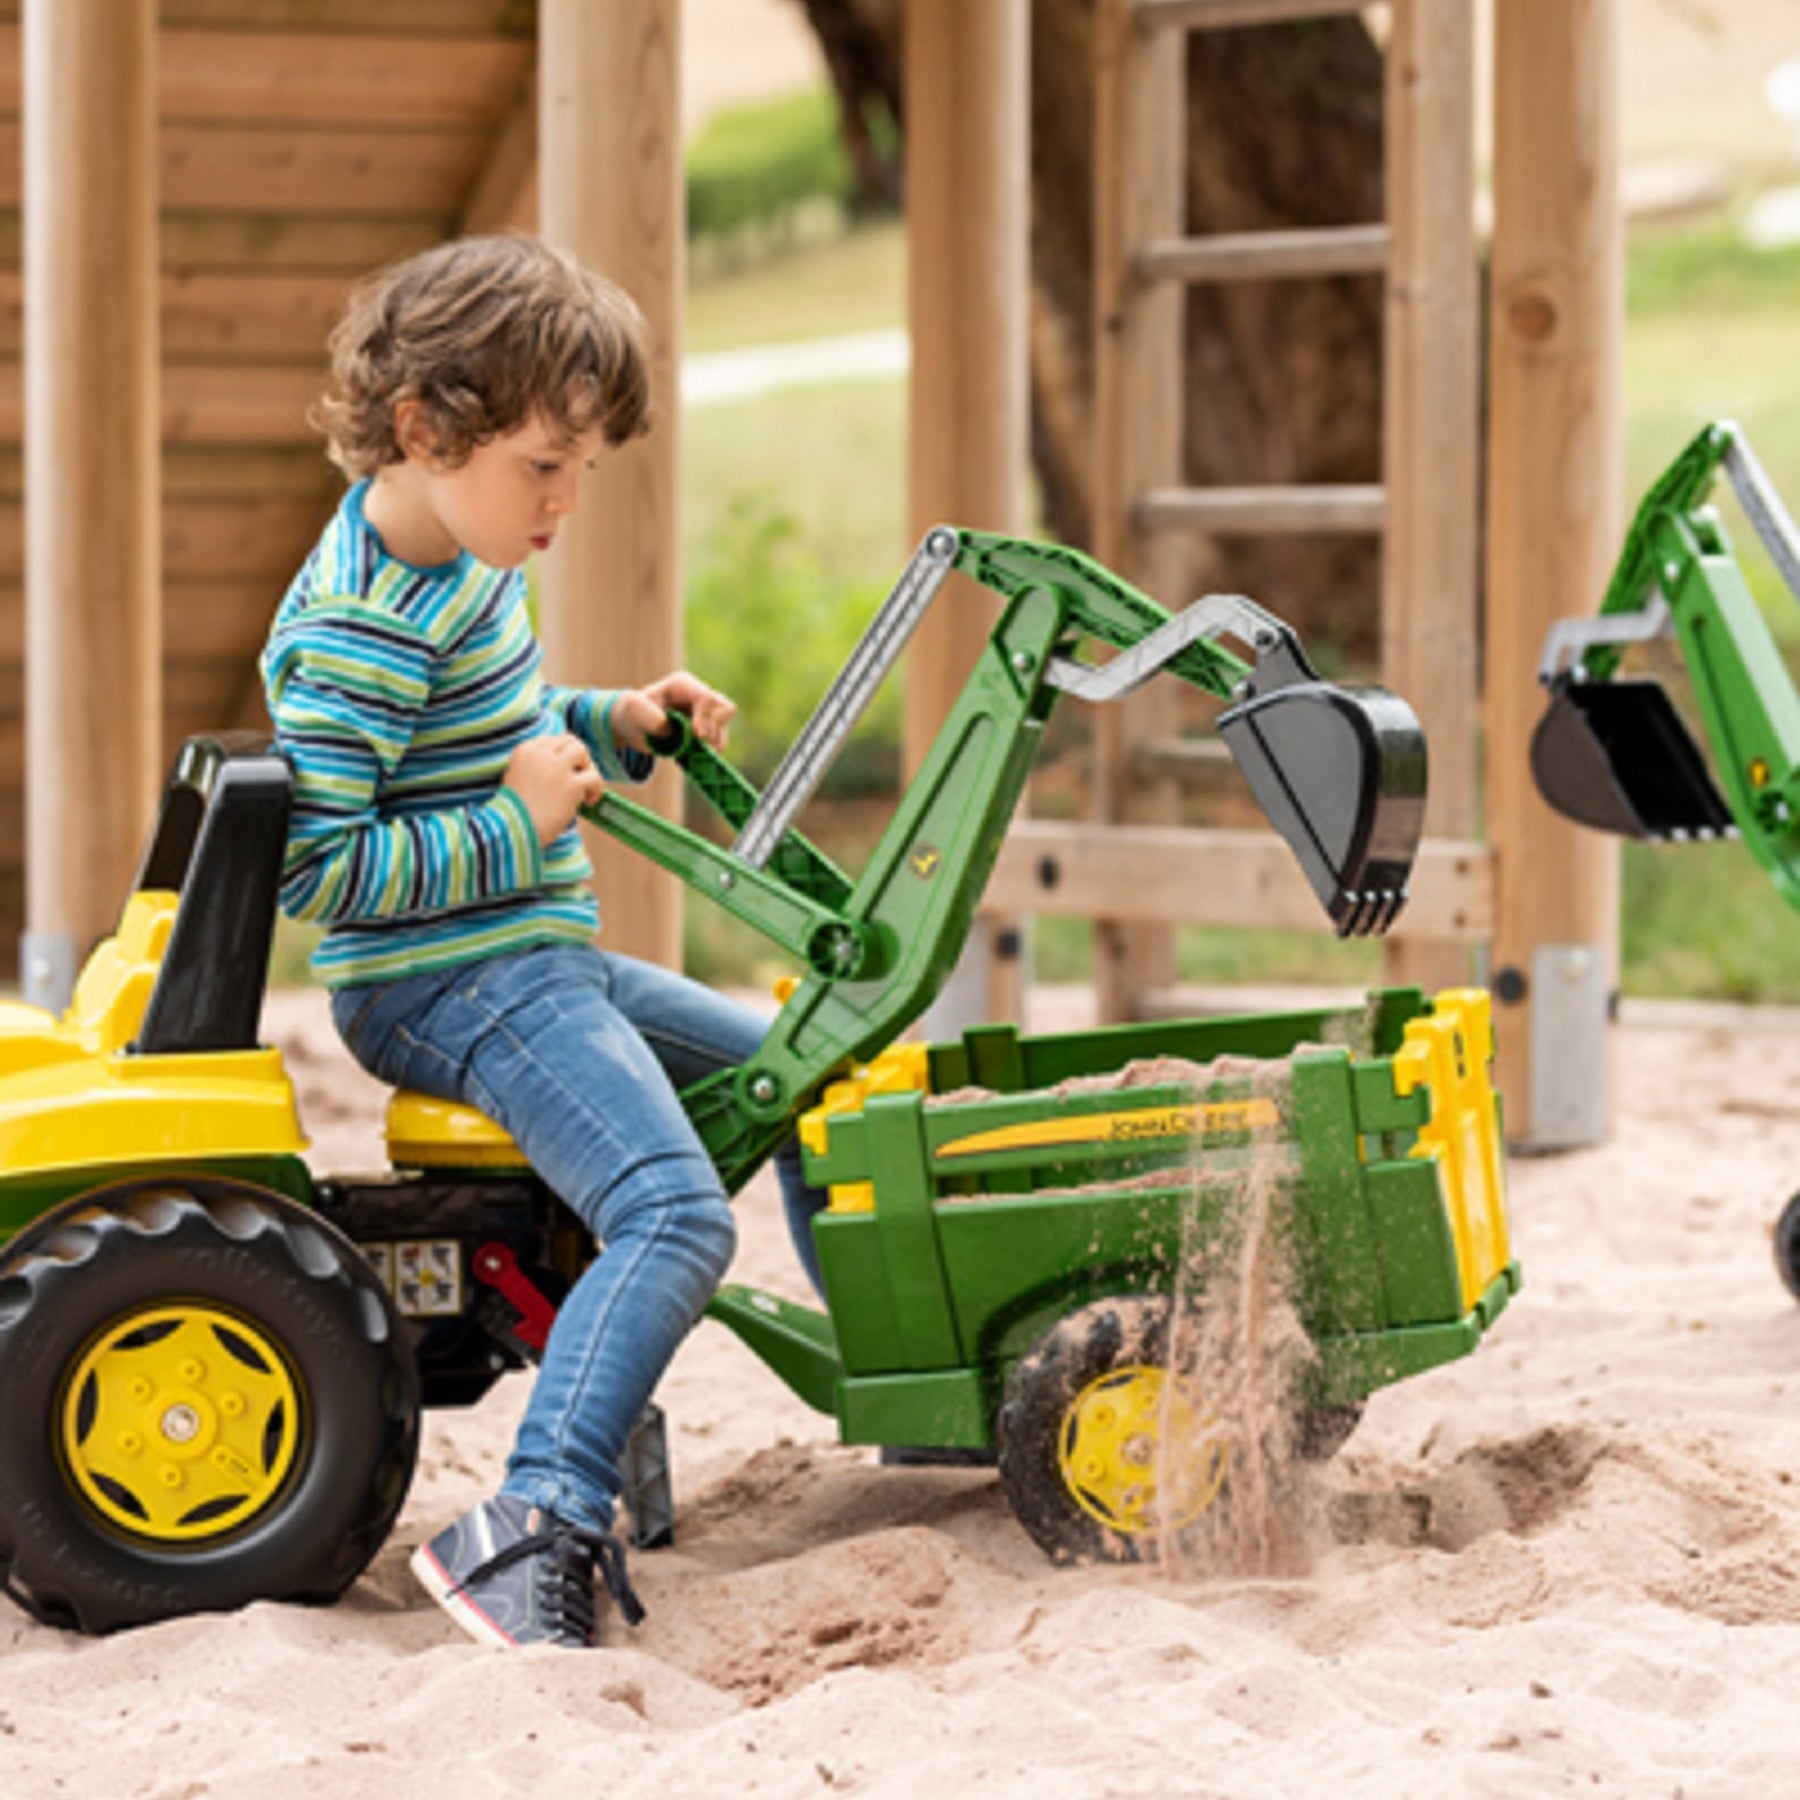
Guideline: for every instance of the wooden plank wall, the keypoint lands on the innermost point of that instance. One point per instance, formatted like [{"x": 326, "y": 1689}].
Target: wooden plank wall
[{"x": 300, "y": 143}]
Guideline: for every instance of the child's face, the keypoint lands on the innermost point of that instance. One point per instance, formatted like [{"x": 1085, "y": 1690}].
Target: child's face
[{"x": 507, "y": 500}]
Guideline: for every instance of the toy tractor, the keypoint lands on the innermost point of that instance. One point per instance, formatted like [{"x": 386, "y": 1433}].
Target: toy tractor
[
  {"x": 1615, "y": 754},
  {"x": 212, "y": 1364}
]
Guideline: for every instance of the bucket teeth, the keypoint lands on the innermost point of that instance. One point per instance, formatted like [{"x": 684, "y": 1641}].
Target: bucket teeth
[
  {"x": 1615, "y": 756},
  {"x": 1369, "y": 914}
]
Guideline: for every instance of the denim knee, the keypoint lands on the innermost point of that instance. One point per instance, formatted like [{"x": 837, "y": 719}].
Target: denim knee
[
  {"x": 713, "y": 1227},
  {"x": 696, "y": 1225}
]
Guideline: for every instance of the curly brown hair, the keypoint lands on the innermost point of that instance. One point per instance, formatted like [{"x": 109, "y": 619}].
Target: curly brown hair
[{"x": 487, "y": 333}]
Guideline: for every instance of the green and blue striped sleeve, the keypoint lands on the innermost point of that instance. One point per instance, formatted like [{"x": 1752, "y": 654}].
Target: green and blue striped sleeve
[
  {"x": 587, "y": 712},
  {"x": 345, "y": 684}
]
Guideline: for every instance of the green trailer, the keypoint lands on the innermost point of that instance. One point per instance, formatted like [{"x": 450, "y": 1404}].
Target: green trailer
[{"x": 980, "y": 1251}]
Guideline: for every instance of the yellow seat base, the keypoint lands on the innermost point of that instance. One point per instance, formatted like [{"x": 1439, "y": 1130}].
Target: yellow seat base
[{"x": 426, "y": 1133}]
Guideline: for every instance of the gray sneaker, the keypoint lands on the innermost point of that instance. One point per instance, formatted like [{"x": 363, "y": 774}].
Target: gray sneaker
[{"x": 509, "y": 1574}]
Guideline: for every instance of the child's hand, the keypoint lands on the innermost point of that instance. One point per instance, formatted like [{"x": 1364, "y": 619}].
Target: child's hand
[
  {"x": 553, "y": 776},
  {"x": 640, "y": 713}
]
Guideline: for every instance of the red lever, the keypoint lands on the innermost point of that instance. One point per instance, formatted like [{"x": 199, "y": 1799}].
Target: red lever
[{"x": 499, "y": 1268}]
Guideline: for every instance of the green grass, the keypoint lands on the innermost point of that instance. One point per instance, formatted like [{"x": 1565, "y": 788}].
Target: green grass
[
  {"x": 1712, "y": 332},
  {"x": 1702, "y": 921},
  {"x": 831, "y": 458},
  {"x": 1219, "y": 956},
  {"x": 852, "y": 282},
  {"x": 1703, "y": 266}
]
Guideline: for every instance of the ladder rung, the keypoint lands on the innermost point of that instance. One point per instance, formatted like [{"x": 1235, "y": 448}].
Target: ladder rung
[
  {"x": 1179, "y": 876},
  {"x": 1211, "y": 15},
  {"x": 1182, "y": 759},
  {"x": 1266, "y": 255},
  {"x": 1275, "y": 510}
]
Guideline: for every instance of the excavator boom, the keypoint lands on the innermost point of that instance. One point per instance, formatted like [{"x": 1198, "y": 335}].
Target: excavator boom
[{"x": 1614, "y": 754}]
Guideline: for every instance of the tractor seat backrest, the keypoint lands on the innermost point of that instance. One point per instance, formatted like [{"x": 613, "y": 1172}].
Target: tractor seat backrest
[{"x": 218, "y": 845}]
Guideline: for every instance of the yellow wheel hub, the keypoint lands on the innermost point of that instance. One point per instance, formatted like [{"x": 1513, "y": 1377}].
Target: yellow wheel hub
[
  {"x": 1137, "y": 1454},
  {"x": 180, "y": 1422}
]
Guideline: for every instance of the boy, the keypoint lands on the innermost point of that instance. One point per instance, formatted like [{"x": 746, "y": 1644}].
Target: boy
[{"x": 437, "y": 780}]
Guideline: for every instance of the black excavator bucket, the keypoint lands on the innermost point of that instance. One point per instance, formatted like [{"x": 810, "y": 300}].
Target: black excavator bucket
[
  {"x": 1614, "y": 755},
  {"x": 1340, "y": 771}
]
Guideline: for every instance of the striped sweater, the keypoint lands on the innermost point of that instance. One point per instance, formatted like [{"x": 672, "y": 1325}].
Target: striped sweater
[{"x": 398, "y": 694}]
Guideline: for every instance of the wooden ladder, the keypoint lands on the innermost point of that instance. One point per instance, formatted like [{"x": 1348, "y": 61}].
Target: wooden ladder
[{"x": 1424, "y": 509}]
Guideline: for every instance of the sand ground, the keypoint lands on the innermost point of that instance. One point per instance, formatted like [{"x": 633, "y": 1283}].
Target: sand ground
[{"x": 1570, "y": 1563}]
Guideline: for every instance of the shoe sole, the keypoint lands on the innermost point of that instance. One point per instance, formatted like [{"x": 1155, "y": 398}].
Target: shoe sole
[{"x": 436, "y": 1580}]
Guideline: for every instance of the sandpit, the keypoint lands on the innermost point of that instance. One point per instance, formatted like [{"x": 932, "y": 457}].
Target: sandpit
[{"x": 1570, "y": 1563}]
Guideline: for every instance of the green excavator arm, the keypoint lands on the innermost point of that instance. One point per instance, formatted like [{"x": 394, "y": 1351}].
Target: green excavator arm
[
  {"x": 1613, "y": 753},
  {"x": 1340, "y": 772}
]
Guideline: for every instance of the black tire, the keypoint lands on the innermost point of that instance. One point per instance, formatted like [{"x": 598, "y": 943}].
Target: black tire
[
  {"x": 1080, "y": 1436},
  {"x": 206, "y": 1398},
  {"x": 1787, "y": 1246}
]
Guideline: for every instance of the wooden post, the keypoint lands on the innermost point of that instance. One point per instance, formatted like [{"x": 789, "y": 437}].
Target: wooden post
[
  {"x": 1430, "y": 424},
  {"x": 93, "y": 654},
  {"x": 611, "y": 193},
  {"x": 1140, "y": 194},
  {"x": 1553, "y": 531},
  {"x": 967, "y": 182}
]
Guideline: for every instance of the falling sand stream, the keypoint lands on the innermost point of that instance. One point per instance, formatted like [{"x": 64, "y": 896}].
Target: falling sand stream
[{"x": 1238, "y": 1354}]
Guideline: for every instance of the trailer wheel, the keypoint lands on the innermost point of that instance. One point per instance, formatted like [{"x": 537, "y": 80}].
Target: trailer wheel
[
  {"x": 1787, "y": 1246},
  {"x": 206, "y": 1398},
  {"x": 1102, "y": 1450}
]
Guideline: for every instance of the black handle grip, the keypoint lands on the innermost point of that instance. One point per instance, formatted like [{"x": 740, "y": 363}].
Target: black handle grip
[{"x": 676, "y": 735}]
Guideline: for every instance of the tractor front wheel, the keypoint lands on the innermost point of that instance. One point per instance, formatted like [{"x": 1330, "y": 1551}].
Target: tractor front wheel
[
  {"x": 1103, "y": 1450},
  {"x": 206, "y": 1398}
]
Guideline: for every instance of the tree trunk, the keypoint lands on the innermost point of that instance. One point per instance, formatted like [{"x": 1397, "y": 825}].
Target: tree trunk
[{"x": 1282, "y": 379}]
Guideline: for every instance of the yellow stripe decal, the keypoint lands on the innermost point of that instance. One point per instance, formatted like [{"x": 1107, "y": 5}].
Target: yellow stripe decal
[{"x": 1120, "y": 1127}]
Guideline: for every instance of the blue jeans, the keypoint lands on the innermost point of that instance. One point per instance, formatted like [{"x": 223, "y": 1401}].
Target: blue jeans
[{"x": 579, "y": 1054}]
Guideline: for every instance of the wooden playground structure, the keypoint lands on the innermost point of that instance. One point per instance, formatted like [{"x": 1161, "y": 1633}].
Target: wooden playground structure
[{"x": 194, "y": 183}]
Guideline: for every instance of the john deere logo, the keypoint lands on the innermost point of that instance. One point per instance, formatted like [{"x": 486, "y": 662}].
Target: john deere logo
[
  {"x": 1212, "y": 1118},
  {"x": 925, "y": 861}
]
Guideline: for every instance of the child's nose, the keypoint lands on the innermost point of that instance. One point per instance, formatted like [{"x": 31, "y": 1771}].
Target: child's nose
[{"x": 564, "y": 495}]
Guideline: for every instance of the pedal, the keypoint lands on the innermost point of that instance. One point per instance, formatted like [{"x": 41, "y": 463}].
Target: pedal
[{"x": 499, "y": 1319}]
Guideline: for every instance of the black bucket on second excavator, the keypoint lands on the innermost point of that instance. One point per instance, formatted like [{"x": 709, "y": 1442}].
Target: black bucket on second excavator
[
  {"x": 1614, "y": 755},
  {"x": 1340, "y": 771}
]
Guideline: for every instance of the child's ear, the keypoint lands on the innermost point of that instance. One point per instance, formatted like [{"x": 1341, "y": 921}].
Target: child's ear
[{"x": 413, "y": 431}]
